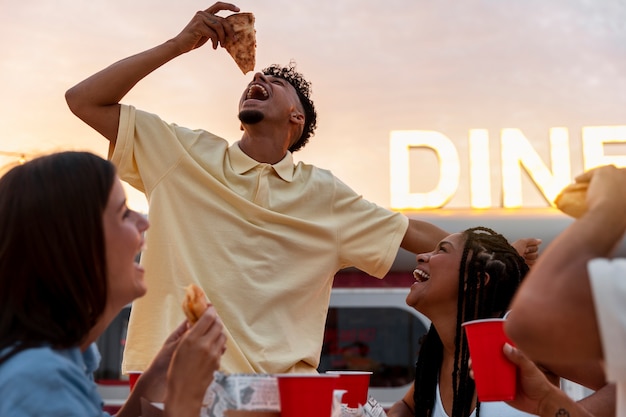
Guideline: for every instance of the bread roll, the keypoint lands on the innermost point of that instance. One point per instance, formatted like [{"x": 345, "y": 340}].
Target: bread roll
[
  {"x": 195, "y": 303},
  {"x": 572, "y": 200}
]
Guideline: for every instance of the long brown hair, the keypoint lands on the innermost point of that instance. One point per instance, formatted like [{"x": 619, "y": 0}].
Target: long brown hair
[{"x": 52, "y": 254}]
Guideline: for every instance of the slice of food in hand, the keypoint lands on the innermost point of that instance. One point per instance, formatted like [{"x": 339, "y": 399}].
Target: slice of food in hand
[
  {"x": 195, "y": 303},
  {"x": 572, "y": 200},
  {"x": 243, "y": 49}
]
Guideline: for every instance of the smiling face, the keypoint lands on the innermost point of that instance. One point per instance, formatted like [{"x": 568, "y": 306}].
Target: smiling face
[
  {"x": 269, "y": 98},
  {"x": 437, "y": 278},
  {"x": 123, "y": 233}
]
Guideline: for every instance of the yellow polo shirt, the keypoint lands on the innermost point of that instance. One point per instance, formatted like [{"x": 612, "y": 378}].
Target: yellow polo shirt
[{"x": 264, "y": 241}]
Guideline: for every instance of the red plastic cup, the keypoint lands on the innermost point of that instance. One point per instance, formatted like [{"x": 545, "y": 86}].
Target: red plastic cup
[
  {"x": 356, "y": 384},
  {"x": 132, "y": 379},
  {"x": 306, "y": 395},
  {"x": 495, "y": 376}
]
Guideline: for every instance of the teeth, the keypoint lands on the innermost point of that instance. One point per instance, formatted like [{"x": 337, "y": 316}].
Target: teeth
[
  {"x": 255, "y": 89},
  {"x": 420, "y": 275},
  {"x": 142, "y": 249}
]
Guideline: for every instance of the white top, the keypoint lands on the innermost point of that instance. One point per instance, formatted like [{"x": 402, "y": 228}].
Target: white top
[
  {"x": 487, "y": 409},
  {"x": 608, "y": 284}
]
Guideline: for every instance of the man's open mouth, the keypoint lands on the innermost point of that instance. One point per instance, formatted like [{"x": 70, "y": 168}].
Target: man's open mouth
[{"x": 257, "y": 92}]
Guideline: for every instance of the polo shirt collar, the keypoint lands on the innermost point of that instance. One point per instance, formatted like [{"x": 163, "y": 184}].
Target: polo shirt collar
[{"x": 243, "y": 163}]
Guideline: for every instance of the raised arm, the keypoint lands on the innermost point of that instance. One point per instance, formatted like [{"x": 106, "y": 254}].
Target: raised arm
[
  {"x": 422, "y": 236},
  {"x": 96, "y": 99},
  {"x": 553, "y": 319}
]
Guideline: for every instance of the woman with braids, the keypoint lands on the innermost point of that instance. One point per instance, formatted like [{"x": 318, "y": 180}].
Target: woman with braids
[{"x": 469, "y": 275}]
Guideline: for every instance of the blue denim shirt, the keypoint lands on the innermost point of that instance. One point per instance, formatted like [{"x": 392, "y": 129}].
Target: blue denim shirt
[{"x": 48, "y": 382}]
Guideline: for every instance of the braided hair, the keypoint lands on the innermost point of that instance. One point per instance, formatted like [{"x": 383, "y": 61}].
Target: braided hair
[{"x": 485, "y": 252}]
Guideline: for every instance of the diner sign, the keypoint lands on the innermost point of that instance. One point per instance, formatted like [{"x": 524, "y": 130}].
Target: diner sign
[{"x": 517, "y": 155}]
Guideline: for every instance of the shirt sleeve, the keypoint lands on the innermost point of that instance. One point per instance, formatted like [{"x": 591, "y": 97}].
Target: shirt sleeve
[
  {"x": 370, "y": 235},
  {"x": 608, "y": 284},
  {"x": 148, "y": 148}
]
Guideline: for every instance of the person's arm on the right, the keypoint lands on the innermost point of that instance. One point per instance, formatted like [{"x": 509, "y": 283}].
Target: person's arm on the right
[
  {"x": 602, "y": 403},
  {"x": 536, "y": 394},
  {"x": 553, "y": 319},
  {"x": 96, "y": 99}
]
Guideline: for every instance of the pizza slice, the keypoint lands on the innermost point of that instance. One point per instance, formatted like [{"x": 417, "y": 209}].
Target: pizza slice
[{"x": 243, "y": 49}]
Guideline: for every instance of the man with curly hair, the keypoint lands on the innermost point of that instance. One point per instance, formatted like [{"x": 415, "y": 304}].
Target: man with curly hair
[{"x": 261, "y": 235}]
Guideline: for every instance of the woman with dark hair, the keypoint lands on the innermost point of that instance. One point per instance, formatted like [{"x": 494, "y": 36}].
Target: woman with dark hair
[
  {"x": 470, "y": 275},
  {"x": 68, "y": 245}
]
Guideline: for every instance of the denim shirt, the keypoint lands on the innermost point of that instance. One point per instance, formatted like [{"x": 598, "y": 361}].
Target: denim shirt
[{"x": 48, "y": 382}]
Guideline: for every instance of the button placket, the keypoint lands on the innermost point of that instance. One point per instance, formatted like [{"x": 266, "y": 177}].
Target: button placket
[{"x": 261, "y": 197}]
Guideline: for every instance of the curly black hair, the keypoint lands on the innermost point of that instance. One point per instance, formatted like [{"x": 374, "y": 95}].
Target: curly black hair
[{"x": 303, "y": 89}]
